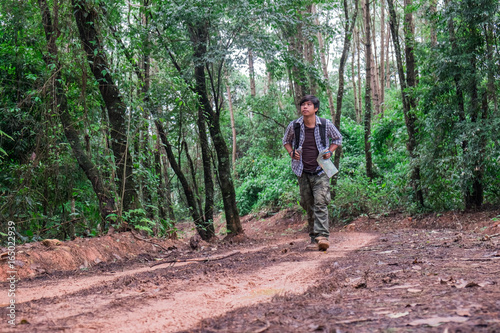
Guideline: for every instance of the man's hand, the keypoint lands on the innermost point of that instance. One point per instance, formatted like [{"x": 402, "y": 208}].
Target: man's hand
[
  {"x": 296, "y": 156},
  {"x": 327, "y": 155}
]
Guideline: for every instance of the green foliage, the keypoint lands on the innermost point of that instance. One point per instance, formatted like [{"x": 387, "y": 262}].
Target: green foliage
[
  {"x": 265, "y": 182},
  {"x": 2, "y": 151},
  {"x": 458, "y": 150},
  {"x": 137, "y": 218},
  {"x": 357, "y": 195}
]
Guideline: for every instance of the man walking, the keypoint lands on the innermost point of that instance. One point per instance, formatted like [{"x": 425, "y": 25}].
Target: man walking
[{"x": 305, "y": 138}]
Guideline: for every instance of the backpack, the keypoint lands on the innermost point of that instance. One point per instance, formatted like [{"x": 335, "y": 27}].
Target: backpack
[{"x": 296, "y": 129}]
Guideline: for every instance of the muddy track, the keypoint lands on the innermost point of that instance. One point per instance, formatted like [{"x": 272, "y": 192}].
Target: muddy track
[
  {"x": 429, "y": 275},
  {"x": 168, "y": 298}
]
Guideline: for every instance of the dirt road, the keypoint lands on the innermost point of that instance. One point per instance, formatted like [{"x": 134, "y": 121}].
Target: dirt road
[{"x": 366, "y": 282}]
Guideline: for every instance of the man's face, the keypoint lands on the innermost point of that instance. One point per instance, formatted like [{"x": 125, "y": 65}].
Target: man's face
[{"x": 307, "y": 108}]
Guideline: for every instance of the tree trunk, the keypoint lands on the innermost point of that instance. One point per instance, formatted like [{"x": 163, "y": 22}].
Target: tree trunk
[
  {"x": 474, "y": 196},
  {"x": 382, "y": 54},
  {"x": 324, "y": 67},
  {"x": 358, "y": 60},
  {"x": 166, "y": 178},
  {"x": 162, "y": 193},
  {"x": 409, "y": 102},
  {"x": 291, "y": 89},
  {"x": 192, "y": 170},
  {"x": 309, "y": 56},
  {"x": 252, "y": 73},
  {"x": 375, "y": 72},
  {"x": 356, "y": 109},
  {"x": 233, "y": 127},
  {"x": 208, "y": 212},
  {"x": 199, "y": 36},
  {"x": 86, "y": 21},
  {"x": 146, "y": 83},
  {"x": 368, "y": 102},
  {"x": 411, "y": 83},
  {"x": 491, "y": 67},
  {"x": 349, "y": 27},
  {"x": 267, "y": 82},
  {"x": 295, "y": 77},
  {"x": 205, "y": 231},
  {"x": 299, "y": 77},
  {"x": 387, "y": 63},
  {"x": 104, "y": 197}
]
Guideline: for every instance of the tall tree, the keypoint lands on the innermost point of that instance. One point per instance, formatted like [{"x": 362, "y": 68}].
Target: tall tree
[
  {"x": 104, "y": 197},
  {"x": 348, "y": 32},
  {"x": 382, "y": 55},
  {"x": 358, "y": 62},
  {"x": 357, "y": 111},
  {"x": 251, "y": 71},
  {"x": 233, "y": 126},
  {"x": 324, "y": 67},
  {"x": 368, "y": 90},
  {"x": 87, "y": 21},
  {"x": 409, "y": 102},
  {"x": 375, "y": 72},
  {"x": 204, "y": 229},
  {"x": 199, "y": 34}
]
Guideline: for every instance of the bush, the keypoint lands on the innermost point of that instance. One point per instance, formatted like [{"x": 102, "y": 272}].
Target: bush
[{"x": 265, "y": 182}]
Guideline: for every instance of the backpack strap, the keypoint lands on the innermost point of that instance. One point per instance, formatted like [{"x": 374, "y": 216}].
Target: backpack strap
[
  {"x": 296, "y": 130},
  {"x": 322, "y": 131}
]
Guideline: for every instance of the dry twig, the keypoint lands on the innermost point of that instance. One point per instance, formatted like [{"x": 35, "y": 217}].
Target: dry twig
[
  {"x": 206, "y": 259},
  {"x": 148, "y": 241}
]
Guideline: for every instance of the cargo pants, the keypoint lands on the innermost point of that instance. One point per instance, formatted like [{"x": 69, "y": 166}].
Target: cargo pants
[{"x": 314, "y": 198}]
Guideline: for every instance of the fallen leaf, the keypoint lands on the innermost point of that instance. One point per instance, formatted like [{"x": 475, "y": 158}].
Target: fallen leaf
[
  {"x": 436, "y": 321},
  {"x": 398, "y": 315}
]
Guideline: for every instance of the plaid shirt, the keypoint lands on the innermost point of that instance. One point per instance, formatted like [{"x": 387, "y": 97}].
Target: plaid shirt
[{"x": 331, "y": 133}]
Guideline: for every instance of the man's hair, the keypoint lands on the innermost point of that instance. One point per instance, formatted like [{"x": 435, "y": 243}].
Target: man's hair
[{"x": 312, "y": 99}]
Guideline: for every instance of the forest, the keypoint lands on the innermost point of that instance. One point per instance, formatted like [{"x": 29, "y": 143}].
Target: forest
[{"x": 144, "y": 114}]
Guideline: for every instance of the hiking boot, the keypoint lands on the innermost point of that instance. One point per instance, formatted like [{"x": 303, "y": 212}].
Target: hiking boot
[
  {"x": 312, "y": 247},
  {"x": 323, "y": 243}
]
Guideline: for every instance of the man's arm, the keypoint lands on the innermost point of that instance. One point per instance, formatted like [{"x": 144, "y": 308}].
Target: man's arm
[
  {"x": 333, "y": 133},
  {"x": 287, "y": 141},
  {"x": 289, "y": 149}
]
